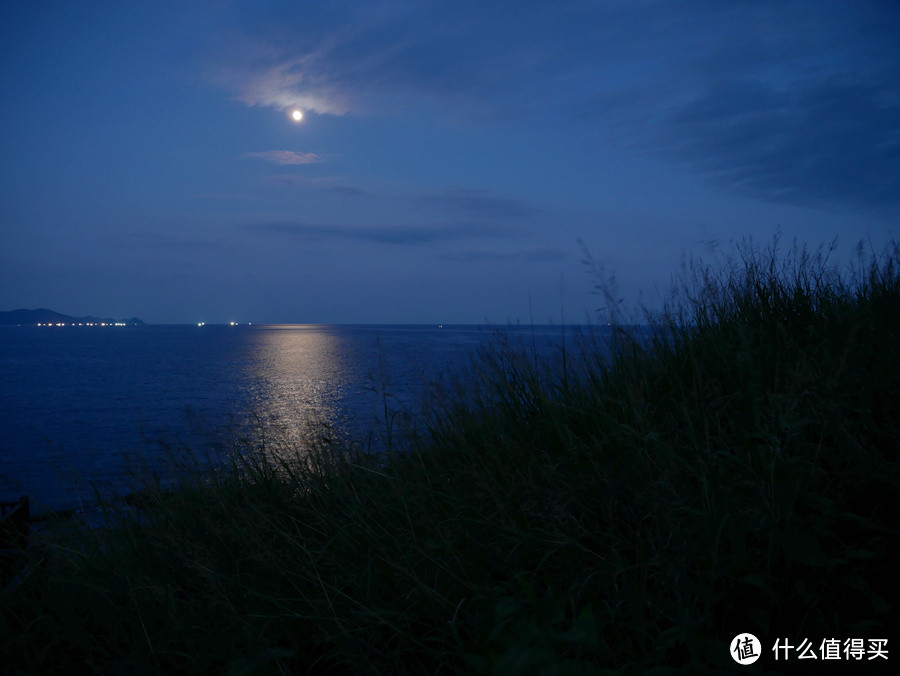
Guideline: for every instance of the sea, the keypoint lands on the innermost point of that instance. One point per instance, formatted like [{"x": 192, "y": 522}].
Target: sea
[{"x": 85, "y": 411}]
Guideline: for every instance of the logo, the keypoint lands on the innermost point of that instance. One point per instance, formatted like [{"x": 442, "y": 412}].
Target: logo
[{"x": 745, "y": 648}]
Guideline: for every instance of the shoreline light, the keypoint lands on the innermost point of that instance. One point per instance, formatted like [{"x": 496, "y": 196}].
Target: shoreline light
[{"x": 46, "y": 324}]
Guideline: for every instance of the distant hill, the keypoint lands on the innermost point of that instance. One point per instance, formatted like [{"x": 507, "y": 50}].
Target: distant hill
[{"x": 45, "y": 316}]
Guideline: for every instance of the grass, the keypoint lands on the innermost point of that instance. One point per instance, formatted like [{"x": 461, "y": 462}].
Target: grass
[{"x": 733, "y": 471}]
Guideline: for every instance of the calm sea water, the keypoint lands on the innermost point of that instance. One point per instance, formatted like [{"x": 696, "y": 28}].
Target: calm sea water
[{"x": 82, "y": 406}]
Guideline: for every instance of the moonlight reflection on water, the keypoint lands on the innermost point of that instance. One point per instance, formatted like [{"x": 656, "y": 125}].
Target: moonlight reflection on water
[
  {"x": 80, "y": 406},
  {"x": 298, "y": 378}
]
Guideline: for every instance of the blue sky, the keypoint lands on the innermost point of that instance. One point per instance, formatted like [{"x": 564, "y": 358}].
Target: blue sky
[{"x": 451, "y": 157}]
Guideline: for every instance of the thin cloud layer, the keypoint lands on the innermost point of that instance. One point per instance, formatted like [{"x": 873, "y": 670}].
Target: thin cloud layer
[
  {"x": 537, "y": 255},
  {"x": 384, "y": 234},
  {"x": 479, "y": 202},
  {"x": 472, "y": 203},
  {"x": 290, "y": 84},
  {"x": 286, "y": 157},
  {"x": 814, "y": 144}
]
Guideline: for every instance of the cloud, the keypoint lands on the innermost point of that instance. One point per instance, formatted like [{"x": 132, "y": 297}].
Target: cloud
[
  {"x": 331, "y": 184},
  {"x": 290, "y": 84},
  {"x": 785, "y": 101},
  {"x": 337, "y": 58},
  {"x": 814, "y": 144},
  {"x": 539, "y": 255},
  {"x": 173, "y": 243},
  {"x": 285, "y": 157},
  {"x": 478, "y": 202},
  {"x": 384, "y": 234},
  {"x": 797, "y": 104}
]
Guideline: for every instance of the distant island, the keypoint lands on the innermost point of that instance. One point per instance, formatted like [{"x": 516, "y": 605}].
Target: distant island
[{"x": 45, "y": 317}]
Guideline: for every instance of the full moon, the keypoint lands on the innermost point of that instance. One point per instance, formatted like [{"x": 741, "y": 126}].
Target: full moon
[{"x": 297, "y": 115}]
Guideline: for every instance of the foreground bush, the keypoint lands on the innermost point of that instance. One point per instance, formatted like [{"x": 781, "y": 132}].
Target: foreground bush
[{"x": 733, "y": 470}]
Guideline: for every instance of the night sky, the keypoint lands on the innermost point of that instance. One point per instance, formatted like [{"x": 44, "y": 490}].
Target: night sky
[{"x": 450, "y": 158}]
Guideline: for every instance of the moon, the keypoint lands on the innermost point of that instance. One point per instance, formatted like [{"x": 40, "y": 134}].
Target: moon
[{"x": 297, "y": 115}]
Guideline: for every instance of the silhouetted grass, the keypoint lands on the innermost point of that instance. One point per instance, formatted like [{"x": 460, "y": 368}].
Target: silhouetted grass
[{"x": 734, "y": 470}]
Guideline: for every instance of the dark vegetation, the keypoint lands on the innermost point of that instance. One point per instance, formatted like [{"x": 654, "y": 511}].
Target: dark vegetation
[{"x": 735, "y": 471}]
